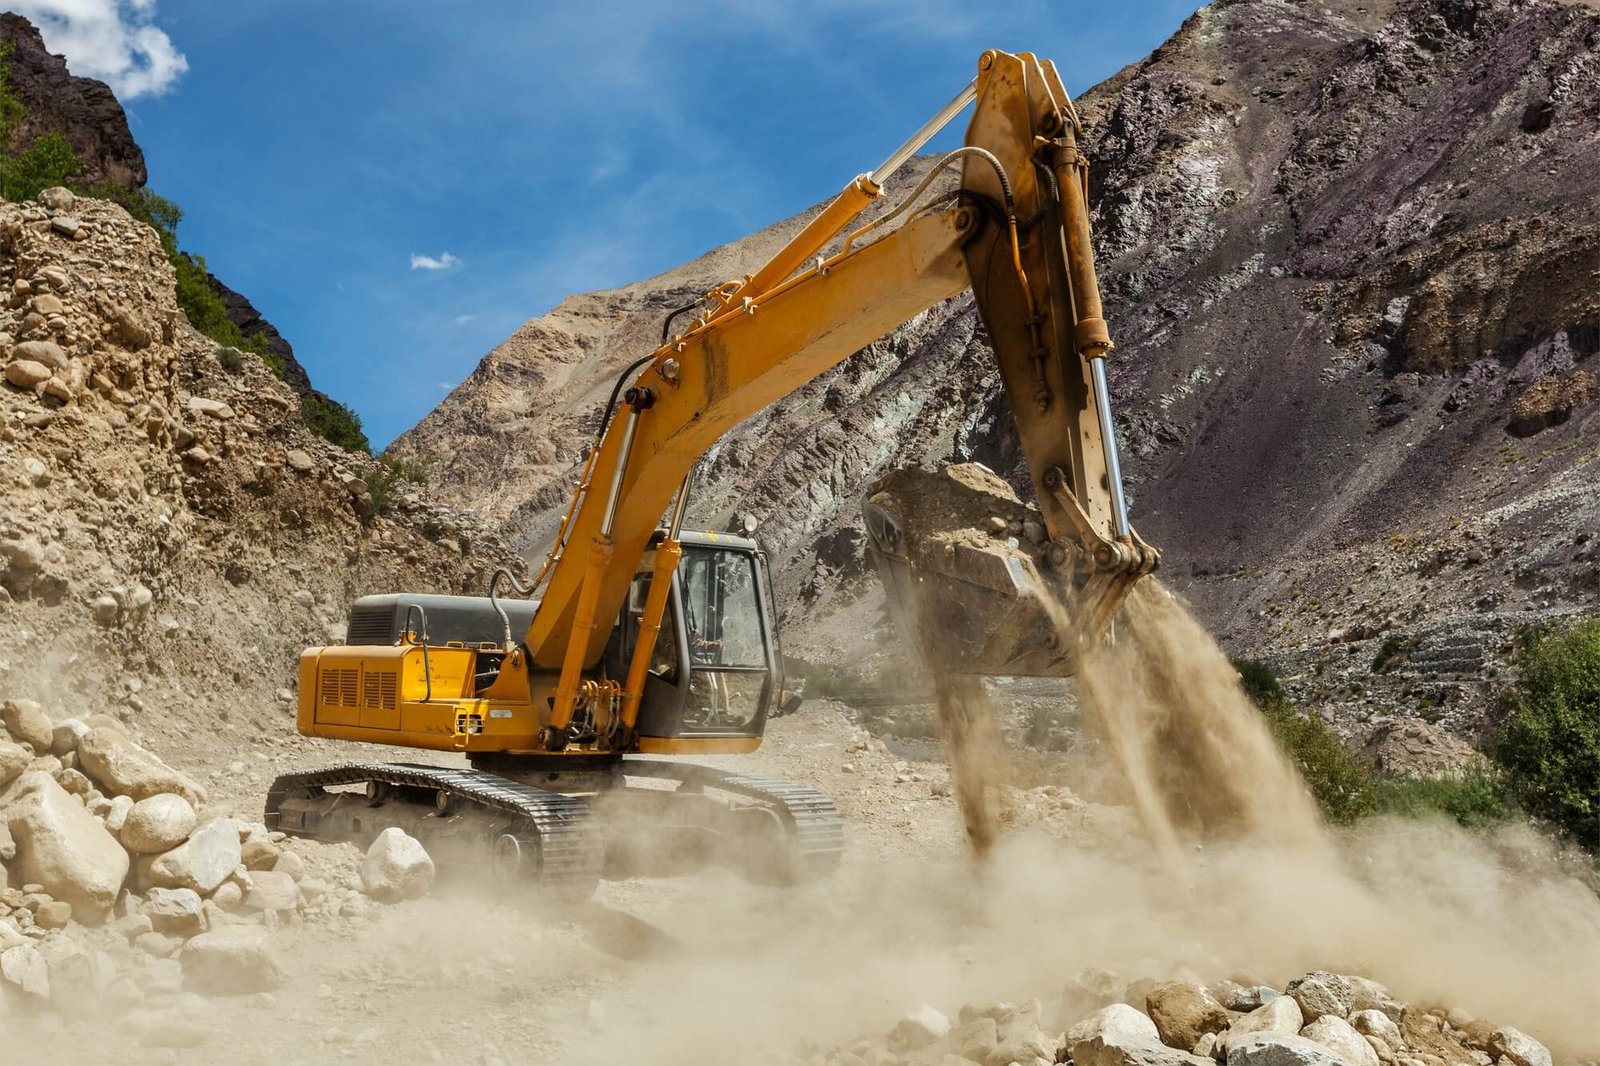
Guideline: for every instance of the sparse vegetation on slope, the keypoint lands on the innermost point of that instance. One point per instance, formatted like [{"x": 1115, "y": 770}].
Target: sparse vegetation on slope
[{"x": 1348, "y": 790}]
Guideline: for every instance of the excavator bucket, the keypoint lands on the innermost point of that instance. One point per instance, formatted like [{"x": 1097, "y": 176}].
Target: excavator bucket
[
  {"x": 980, "y": 582},
  {"x": 968, "y": 575}
]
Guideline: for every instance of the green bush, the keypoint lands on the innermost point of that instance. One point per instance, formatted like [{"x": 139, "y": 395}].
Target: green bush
[
  {"x": 1341, "y": 783},
  {"x": 48, "y": 162},
  {"x": 1472, "y": 798},
  {"x": 232, "y": 359},
  {"x": 11, "y": 109},
  {"x": 333, "y": 421},
  {"x": 1549, "y": 745},
  {"x": 393, "y": 471}
]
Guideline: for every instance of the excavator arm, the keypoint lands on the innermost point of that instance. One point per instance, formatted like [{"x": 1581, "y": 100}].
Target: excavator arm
[{"x": 1016, "y": 232}]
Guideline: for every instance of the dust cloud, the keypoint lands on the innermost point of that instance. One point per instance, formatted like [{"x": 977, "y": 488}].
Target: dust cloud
[
  {"x": 1234, "y": 876},
  {"x": 1196, "y": 756}
]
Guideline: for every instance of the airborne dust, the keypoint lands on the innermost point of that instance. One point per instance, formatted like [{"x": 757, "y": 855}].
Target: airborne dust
[{"x": 1226, "y": 872}]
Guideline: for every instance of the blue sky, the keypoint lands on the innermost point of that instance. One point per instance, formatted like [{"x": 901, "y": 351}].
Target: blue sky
[{"x": 328, "y": 152}]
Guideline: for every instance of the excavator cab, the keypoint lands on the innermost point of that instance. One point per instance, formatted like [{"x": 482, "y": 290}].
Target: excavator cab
[{"x": 716, "y": 669}]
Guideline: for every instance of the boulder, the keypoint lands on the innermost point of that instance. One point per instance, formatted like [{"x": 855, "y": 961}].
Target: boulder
[
  {"x": 202, "y": 862},
  {"x": 1337, "y": 1036},
  {"x": 1320, "y": 993},
  {"x": 397, "y": 867},
  {"x": 259, "y": 852},
  {"x": 1280, "y": 1049},
  {"x": 233, "y": 960},
  {"x": 117, "y": 813},
  {"x": 1522, "y": 1049},
  {"x": 47, "y": 352},
  {"x": 973, "y": 1041},
  {"x": 63, "y": 847},
  {"x": 64, "y": 741},
  {"x": 122, "y": 768},
  {"x": 159, "y": 823},
  {"x": 14, "y": 759},
  {"x": 1118, "y": 1023},
  {"x": 1184, "y": 1012},
  {"x": 26, "y": 373},
  {"x": 1370, "y": 995},
  {"x": 272, "y": 891},
  {"x": 920, "y": 1028},
  {"x": 23, "y": 555},
  {"x": 292, "y": 864},
  {"x": 53, "y": 915},
  {"x": 1280, "y": 1015},
  {"x": 1380, "y": 1032},
  {"x": 174, "y": 912},
  {"x": 1096, "y": 1052},
  {"x": 1248, "y": 999},
  {"x": 25, "y": 968},
  {"x": 29, "y": 725}
]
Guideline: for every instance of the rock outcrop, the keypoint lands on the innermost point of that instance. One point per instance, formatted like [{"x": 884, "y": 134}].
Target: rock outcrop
[{"x": 82, "y": 110}]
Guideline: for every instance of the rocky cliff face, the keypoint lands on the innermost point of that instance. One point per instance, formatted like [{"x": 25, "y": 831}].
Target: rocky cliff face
[
  {"x": 83, "y": 110},
  {"x": 1349, "y": 252}
]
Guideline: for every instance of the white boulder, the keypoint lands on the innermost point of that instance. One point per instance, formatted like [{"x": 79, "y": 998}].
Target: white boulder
[
  {"x": 232, "y": 960},
  {"x": 63, "y": 847},
  {"x": 158, "y": 823},
  {"x": 397, "y": 867},
  {"x": 122, "y": 768},
  {"x": 1339, "y": 1037},
  {"x": 202, "y": 862}
]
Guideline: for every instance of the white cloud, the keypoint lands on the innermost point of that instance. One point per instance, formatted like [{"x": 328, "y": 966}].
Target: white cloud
[
  {"x": 113, "y": 40},
  {"x": 462, "y": 320},
  {"x": 428, "y": 262}
]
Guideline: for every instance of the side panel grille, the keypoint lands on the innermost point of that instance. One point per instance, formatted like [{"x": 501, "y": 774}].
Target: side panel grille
[
  {"x": 339, "y": 687},
  {"x": 379, "y": 689}
]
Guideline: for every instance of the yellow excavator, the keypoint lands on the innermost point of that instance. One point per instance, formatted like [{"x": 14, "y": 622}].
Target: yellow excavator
[{"x": 575, "y": 697}]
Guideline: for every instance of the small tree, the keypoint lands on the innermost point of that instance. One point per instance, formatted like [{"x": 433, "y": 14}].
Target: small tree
[{"x": 1550, "y": 743}]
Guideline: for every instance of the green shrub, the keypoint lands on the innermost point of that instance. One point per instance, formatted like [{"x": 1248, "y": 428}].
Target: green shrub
[
  {"x": 1341, "y": 783},
  {"x": 230, "y": 358},
  {"x": 333, "y": 421},
  {"x": 46, "y": 163},
  {"x": 1259, "y": 681},
  {"x": 11, "y": 109},
  {"x": 1472, "y": 798},
  {"x": 393, "y": 471},
  {"x": 1549, "y": 745}
]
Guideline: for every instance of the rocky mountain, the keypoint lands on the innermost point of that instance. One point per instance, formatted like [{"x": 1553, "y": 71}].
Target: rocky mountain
[
  {"x": 1349, "y": 251},
  {"x": 83, "y": 110}
]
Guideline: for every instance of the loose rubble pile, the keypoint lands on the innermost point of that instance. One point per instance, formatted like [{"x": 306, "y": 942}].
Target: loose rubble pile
[
  {"x": 120, "y": 885},
  {"x": 1319, "y": 1019}
]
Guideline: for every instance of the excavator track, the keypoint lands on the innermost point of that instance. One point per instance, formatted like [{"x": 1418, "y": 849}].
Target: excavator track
[
  {"x": 813, "y": 831},
  {"x": 567, "y": 850}
]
